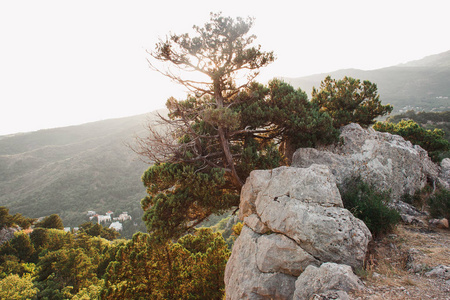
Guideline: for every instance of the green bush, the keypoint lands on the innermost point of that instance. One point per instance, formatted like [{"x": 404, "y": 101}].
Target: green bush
[
  {"x": 369, "y": 205},
  {"x": 439, "y": 204},
  {"x": 420, "y": 197}
]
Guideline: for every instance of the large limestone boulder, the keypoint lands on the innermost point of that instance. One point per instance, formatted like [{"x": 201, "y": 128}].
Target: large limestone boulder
[
  {"x": 387, "y": 160},
  {"x": 293, "y": 219}
]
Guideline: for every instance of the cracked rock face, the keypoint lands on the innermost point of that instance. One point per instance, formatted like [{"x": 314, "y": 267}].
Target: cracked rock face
[
  {"x": 387, "y": 160},
  {"x": 444, "y": 175},
  {"x": 293, "y": 220}
]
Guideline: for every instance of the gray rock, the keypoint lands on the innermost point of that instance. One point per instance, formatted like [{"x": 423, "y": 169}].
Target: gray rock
[
  {"x": 277, "y": 253},
  {"x": 444, "y": 175},
  {"x": 386, "y": 160},
  {"x": 329, "y": 277},
  {"x": 314, "y": 185},
  {"x": 327, "y": 233},
  {"x": 243, "y": 279},
  {"x": 407, "y": 209},
  {"x": 439, "y": 223},
  {"x": 412, "y": 220},
  {"x": 293, "y": 219},
  {"x": 7, "y": 234},
  {"x": 331, "y": 295},
  {"x": 440, "y": 271},
  {"x": 254, "y": 222}
]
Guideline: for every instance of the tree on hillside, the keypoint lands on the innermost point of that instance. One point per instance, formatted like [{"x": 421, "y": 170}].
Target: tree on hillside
[
  {"x": 52, "y": 221},
  {"x": 98, "y": 230},
  {"x": 349, "y": 101},
  {"x": 227, "y": 126}
]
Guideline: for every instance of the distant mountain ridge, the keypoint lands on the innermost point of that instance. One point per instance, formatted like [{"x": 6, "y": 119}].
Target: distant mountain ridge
[{"x": 422, "y": 85}]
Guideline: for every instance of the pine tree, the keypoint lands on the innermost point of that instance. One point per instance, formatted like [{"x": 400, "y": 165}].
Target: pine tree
[
  {"x": 349, "y": 101},
  {"x": 226, "y": 128}
]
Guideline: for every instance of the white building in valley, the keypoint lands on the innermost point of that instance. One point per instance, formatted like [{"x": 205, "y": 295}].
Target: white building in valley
[
  {"x": 117, "y": 226},
  {"x": 123, "y": 217}
]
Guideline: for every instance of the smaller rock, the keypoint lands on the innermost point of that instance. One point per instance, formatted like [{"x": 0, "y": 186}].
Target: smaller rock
[
  {"x": 444, "y": 175},
  {"x": 331, "y": 295},
  {"x": 406, "y": 209},
  {"x": 439, "y": 223},
  {"x": 277, "y": 253},
  {"x": 411, "y": 220},
  {"x": 440, "y": 271},
  {"x": 255, "y": 223},
  {"x": 329, "y": 277},
  {"x": 7, "y": 234},
  {"x": 443, "y": 223},
  {"x": 411, "y": 262}
]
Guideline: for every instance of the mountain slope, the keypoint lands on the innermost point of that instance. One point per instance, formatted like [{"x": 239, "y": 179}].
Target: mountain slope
[
  {"x": 420, "y": 85},
  {"x": 74, "y": 169}
]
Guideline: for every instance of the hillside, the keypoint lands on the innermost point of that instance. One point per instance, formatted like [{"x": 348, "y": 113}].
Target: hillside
[
  {"x": 71, "y": 170},
  {"x": 419, "y": 85}
]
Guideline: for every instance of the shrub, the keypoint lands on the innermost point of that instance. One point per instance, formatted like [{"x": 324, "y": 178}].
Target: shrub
[
  {"x": 419, "y": 199},
  {"x": 439, "y": 204},
  {"x": 369, "y": 205},
  {"x": 237, "y": 228}
]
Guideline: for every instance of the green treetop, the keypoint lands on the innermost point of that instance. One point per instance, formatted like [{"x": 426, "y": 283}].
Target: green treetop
[
  {"x": 52, "y": 221},
  {"x": 350, "y": 101}
]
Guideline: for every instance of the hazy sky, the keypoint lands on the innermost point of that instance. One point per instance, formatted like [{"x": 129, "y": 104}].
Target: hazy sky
[{"x": 71, "y": 62}]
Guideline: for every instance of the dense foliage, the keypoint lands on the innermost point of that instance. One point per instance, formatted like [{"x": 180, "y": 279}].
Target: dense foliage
[
  {"x": 431, "y": 140},
  {"x": 349, "y": 101},
  {"x": 14, "y": 287},
  {"x": 49, "y": 263},
  {"x": 369, "y": 205},
  {"x": 192, "y": 268},
  {"x": 98, "y": 230},
  {"x": 439, "y": 204}
]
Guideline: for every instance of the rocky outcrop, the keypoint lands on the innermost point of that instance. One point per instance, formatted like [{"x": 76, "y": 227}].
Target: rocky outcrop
[
  {"x": 293, "y": 220},
  {"x": 7, "y": 234},
  {"x": 386, "y": 160}
]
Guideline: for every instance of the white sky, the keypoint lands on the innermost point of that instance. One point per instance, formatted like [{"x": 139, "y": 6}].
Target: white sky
[{"x": 71, "y": 62}]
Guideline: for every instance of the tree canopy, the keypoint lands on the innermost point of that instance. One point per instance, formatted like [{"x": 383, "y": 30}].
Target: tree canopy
[
  {"x": 349, "y": 101},
  {"x": 52, "y": 221},
  {"x": 192, "y": 268}
]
